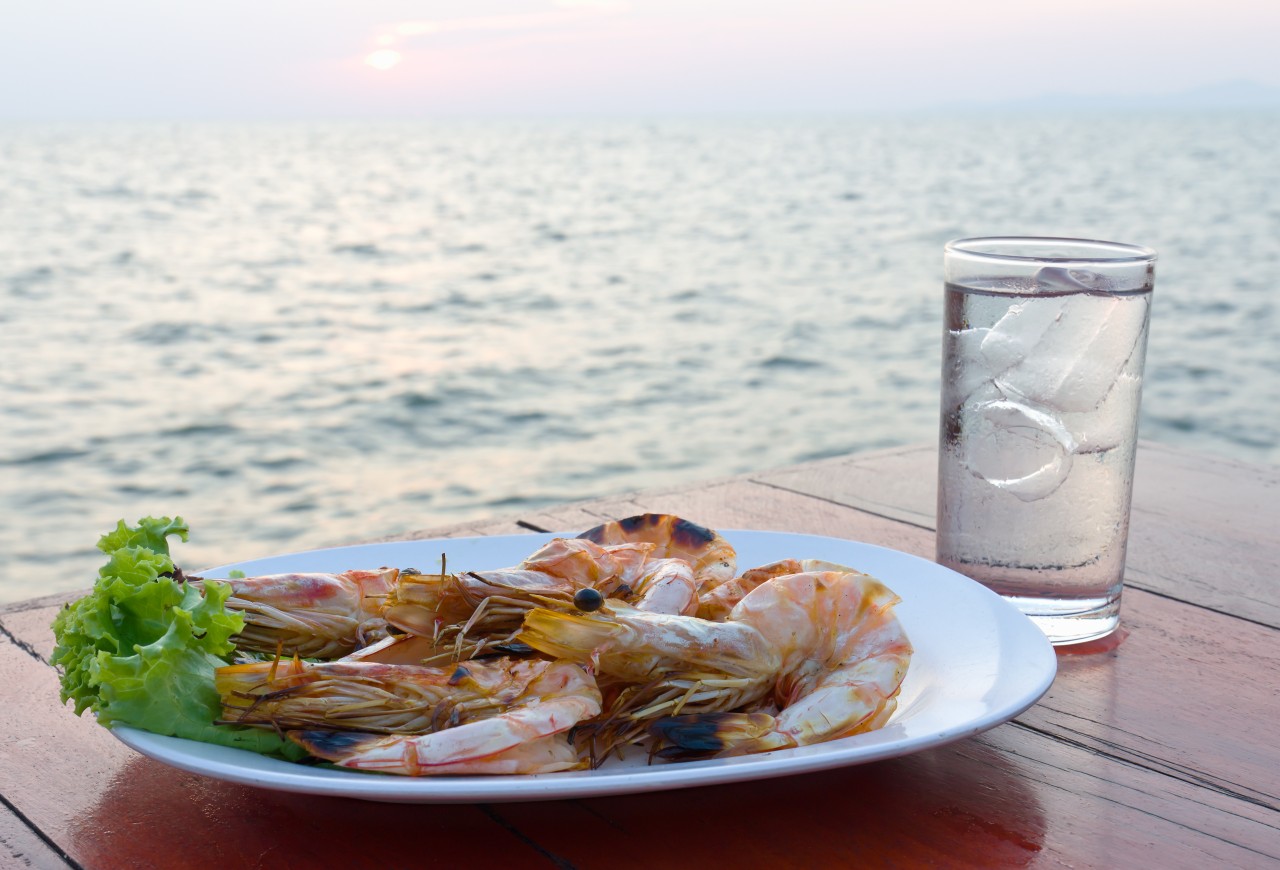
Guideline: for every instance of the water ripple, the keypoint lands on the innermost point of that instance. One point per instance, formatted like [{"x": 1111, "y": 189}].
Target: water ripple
[{"x": 304, "y": 335}]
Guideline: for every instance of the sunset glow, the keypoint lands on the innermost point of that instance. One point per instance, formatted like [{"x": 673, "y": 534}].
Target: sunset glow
[
  {"x": 611, "y": 57},
  {"x": 383, "y": 59}
]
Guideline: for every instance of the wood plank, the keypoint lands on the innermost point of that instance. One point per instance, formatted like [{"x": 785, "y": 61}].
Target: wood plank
[
  {"x": 1204, "y": 530},
  {"x": 30, "y": 629},
  {"x": 1196, "y": 520},
  {"x": 20, "y": 846},
  {"x": 56, "y": 599},
  {"x": 1192, "y": 694},
  {"x": 1230, "y": 496},
  {"x": 1010, "y": 798},
  {"x": 900, "y": 484}
]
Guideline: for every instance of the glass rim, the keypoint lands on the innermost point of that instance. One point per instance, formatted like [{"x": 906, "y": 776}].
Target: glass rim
[{"x": 1125, "y": 253}]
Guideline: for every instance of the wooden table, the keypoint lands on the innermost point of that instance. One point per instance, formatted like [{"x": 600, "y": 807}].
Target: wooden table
[{"x": 1155, "y": 748}]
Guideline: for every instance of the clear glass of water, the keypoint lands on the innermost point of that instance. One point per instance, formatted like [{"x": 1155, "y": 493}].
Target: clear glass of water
[{"x": 1042, "y": 360}]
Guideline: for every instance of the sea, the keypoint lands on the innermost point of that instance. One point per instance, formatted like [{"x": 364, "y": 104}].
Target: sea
[{"x": 298, "y": 335}]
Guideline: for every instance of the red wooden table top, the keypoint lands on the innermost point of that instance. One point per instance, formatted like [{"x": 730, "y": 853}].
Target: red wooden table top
[{"x": 1157, "y": 747}]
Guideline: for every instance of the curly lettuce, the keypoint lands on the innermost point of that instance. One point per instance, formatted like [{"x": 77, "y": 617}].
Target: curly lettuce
[{"x": 142, "y": 647}]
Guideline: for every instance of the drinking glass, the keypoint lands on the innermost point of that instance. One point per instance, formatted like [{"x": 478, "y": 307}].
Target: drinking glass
[{"x": 1042, "y": 361}]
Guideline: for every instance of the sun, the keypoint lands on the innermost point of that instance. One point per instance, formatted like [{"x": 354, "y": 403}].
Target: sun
[{"x": 383, "y": 59}]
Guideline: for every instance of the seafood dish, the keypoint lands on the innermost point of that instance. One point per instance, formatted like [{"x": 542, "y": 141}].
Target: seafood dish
[{"x": 637, "y": 636}]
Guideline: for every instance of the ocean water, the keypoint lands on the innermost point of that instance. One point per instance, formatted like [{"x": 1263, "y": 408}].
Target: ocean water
[{"x": 302, "y": 335}]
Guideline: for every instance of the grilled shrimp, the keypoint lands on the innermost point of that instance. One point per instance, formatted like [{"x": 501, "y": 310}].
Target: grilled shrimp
[
  {"x": 330, "y": 615},
  {"x": 716, "y": 603},
  {"x": 658, "y": 561},
  {"x": 843, "y": 659},
  {"x": 311, "y": 615},
  {"x": 370, "y": 696},
  {"x": 521, "y": 737},
  {"x": 475, "y": 610},
  {"x": 713, "y": 559},
  {"x": 654, "y": 664}
]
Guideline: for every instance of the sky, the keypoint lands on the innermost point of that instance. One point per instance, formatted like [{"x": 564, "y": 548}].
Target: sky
[{"x": 255, "y": 59}]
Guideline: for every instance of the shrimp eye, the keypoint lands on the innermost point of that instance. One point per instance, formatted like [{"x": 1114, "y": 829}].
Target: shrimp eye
[{"x": 588, "y": 600}]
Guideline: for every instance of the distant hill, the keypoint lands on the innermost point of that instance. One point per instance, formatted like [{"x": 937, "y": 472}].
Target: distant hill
[{"x": 1219, "y": 96}]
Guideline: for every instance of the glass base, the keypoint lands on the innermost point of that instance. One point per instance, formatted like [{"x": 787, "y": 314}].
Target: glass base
[{"x": 1073, "y": 620}]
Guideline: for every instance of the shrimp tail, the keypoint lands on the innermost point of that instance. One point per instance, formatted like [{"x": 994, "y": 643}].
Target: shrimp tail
[{"x": 702, "y": 735}]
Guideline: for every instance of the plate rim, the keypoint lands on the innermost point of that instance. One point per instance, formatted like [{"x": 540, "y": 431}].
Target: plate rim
[{"x": 1039, "y": 659}]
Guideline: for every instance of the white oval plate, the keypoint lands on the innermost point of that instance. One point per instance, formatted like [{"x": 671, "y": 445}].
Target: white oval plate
[{"x": 978, "y": 662}]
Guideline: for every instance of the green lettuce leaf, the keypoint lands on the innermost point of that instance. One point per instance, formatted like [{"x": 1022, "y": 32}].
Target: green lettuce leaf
[
  {"x": 141, "y": 648},
  {"x": 150, "y": 533}
]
